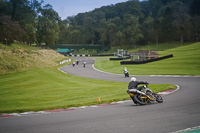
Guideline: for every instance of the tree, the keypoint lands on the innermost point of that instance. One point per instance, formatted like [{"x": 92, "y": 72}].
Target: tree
[
  {"x": 183, "y": 21},
  {"x": 47, "y": 29},
  {"x": 9, "y": 30},
  {"x": 62, "y": 32},
  {"x": 4, "y": 8},
  {"x": 25, "y": 12},
  {"x": 103, "y": 32},
  {"x": 148, "y": 30},
  {"x": 195, "y": 14},
  {"x": 19, "y": 9},
  {"x": 120, "y": 38},
  {"x": 132, "y": 29}
]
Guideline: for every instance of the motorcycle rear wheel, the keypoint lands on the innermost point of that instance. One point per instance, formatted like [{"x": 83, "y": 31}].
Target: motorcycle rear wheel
[
  {"x": 133, "y": 100},
  {"x": 138, "y": 98},
  {"x": 159, "y": 99}
]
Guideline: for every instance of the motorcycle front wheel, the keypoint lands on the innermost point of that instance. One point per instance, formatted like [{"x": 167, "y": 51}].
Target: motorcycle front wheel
[{"x": 138, "y": 98}]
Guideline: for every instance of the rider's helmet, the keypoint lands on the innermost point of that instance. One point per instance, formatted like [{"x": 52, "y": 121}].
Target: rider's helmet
[
  {"x": 125, "y": 69},
  {"x": 133, "y": 79}
]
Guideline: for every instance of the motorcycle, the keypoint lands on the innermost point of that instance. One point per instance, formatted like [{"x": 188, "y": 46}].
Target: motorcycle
[
  {"x": 126, "y": 74},
  {"x": 144, "y": 96}
]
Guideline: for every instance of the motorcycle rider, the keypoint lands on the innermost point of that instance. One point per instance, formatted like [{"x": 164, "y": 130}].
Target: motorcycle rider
[
  {"x": 133, "y": 84},
  {"x": 84, "y": 63},
  {"x": 126, "y": 72},
  {"x": 73, "y": 64}
]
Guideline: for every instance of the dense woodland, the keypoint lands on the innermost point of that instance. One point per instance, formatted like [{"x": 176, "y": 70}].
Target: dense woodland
[{"x": 129, "y": 23}]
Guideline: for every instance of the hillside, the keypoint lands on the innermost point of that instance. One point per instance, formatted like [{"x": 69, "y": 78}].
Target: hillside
[
  {"x": 17, "y": 58},
  {"x": 135, "y": 23}
]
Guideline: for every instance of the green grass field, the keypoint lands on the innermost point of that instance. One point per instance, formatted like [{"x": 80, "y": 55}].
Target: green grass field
[
  {"x": 45, "y": 89},
  {"x": 186, "y": 61}
]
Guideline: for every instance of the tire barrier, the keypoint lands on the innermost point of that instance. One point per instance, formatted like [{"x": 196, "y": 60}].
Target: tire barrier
[{"x": 146, "y": 61}]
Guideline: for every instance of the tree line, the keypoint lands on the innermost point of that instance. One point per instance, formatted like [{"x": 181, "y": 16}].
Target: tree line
[
  {"x": 129, "y": 23},
  {"x": 28, "y": 21},
  {"x": 134, "y": 23}
]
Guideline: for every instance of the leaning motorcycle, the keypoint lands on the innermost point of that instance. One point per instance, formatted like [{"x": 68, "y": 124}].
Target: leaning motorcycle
[{"x": 144, "y": 96}]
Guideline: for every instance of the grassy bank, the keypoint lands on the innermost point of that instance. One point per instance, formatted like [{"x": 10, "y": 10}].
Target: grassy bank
[
  {"x": 19, "y": 57},
  {"x": 44, "y": 89},
  {"x": 185, "y": 62}
]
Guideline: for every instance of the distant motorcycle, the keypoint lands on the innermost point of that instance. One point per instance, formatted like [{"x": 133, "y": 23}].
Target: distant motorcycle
[
  {"x": 144, "y": 96},
  {"x": 126, "y": 74}
]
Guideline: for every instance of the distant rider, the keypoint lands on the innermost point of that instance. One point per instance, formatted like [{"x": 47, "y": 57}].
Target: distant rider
[
  {"x": 77, "y": 62},
  {"x": 73, "y": 64},
  {"x": 126, "y": 72},
  {"x": 84, "y": 63}
]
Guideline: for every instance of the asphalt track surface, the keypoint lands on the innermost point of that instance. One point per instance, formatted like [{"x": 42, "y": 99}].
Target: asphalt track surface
[{"x": 180, "y": 110}]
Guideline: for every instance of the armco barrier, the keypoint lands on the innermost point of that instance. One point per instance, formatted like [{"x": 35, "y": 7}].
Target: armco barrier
[
  {"x": 80, "y": 55},
  {"x": 147, "y": 61},
  {"x": 62, "y": 62}
]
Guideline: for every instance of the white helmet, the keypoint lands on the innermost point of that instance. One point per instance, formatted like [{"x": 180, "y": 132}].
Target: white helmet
[{"x": 133, "y": 79}]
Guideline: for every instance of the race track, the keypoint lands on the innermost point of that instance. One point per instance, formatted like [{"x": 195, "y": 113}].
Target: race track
[{"x": 180, "y": 110}]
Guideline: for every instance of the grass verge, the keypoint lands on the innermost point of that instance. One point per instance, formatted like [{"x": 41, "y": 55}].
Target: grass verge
[{"x": 45, "y": 89}]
